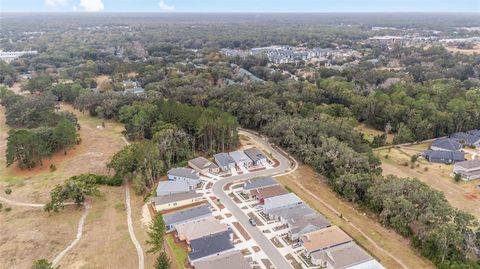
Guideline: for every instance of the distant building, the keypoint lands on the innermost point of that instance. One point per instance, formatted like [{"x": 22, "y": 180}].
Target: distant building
[
  {"x": 224, "y": 161},
  {"x": 241, "y": 159},
  {"x": 229, "y": 260},
  {"x": 138, "y": 91},
  {"x": 443, "y": 156},
  {"x": 469, "y": 170},
  {"x": 257, "y": 157},
  {"x": 446, "y": 144},
  {"x": 345, "y": 256},
  {"x": 175, "y": 200},
  {"x": 203, "y": 166},
  {"x": 467, "y": 139},
  {"x": 9, "y": 56}
]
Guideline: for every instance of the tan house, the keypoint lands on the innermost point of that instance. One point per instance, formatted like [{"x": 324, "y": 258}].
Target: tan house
[
  {"x": 263, "y": 193},
  {"x": 324, "y": 239},
  {"x": 204, "y": 166},
  {"x": 174, "y": 200},
  {"x": 199, "y": 228}
]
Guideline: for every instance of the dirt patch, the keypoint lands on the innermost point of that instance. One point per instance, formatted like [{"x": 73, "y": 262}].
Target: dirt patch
[
  {"x": 267, "y": 263},
  {"x": 293, "y": 262},
  {"x": 276, "y": 242},
  {"x": 242, "y": 231}
]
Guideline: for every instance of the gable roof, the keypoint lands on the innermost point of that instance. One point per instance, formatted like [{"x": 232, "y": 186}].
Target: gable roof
[
  {"x": 343, "y": 256},
  {"x": 187, "y": 214},
  {"x": 254, "y": 154},
  {"x": 468, "y": 139},
  {"x": 203, "y": 163},
  {"x": 195, "y": 229},
  {"x": 209, "y": 245},
  {"x": 175, "y": 197},
  {"x": 282, "y": 201},
  {"x": 474, "y": 132},
  {"x": 293, "y": 211},
  {"x": 454, "y": 156},
  {"x": 269, "y": 191},
  {"x": 239, "y": 156},
  {"x": 471, "y": 164},
  {"x": 302, "y": 224},
  {"x": 223, "y": 159},
  {"x": 172, "y": 186},
  {"x": 230, "y": 260},
  {"x": 184, "y": 172},
  {"x": 258, "y": 183},
  {"x": 324, "y": 239},
  {"x": 447, "y": 144}
]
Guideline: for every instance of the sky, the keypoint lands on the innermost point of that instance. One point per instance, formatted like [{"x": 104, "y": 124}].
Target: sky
[{"x": 240, "y": 5}]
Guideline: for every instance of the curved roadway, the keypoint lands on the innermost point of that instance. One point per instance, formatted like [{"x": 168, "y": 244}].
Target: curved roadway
[{"x": 218, "y": 189}]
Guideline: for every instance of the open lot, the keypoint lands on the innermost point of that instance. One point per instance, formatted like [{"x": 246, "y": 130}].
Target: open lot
[
  {"x": 370, "y": 132},
  {"x": 314, "y": 190},
  {"x": 30, "y": 233},
  {"x": 463, "y": 195},
  {"x": 454, "y": 49}
]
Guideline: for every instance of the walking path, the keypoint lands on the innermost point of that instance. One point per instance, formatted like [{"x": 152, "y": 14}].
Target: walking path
[{"x": 138, "y": 247}]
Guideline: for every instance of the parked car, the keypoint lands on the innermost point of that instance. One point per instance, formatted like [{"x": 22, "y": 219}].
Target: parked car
[{"x": 253, "y": 222}]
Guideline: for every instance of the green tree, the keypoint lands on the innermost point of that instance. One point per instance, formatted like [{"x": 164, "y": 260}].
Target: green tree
[
  {"x": 156, "y": 233},
  {"x": 64, "y": 134},
  {"x": 25, "y": 147},
  {"x": 43, "y": 264},
  {"x": 403, "y": 135},
  {"x": 162, "y": 261}
]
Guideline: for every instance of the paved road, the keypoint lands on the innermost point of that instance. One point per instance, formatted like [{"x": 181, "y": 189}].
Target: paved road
[{"x": 266, "y": 245}]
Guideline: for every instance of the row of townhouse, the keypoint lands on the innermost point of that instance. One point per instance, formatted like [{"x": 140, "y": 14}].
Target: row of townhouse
[
  {"x": 449, "y": 150},
  {"x": 210, "y": 242},
  {"x": 326, "y": 245}
]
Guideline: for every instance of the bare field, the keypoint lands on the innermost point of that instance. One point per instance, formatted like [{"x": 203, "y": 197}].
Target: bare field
[
  {"x": 462, "y": 195},
  {"x": 314, "y": 190},
  {"x": 475, "y": 50}
]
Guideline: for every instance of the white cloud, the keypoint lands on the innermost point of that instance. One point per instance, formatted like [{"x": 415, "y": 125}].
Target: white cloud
[
  {"x": 55, "y": 3},
  {"x": 165, "y": 7},
  {"x": 91, "y": 5}
]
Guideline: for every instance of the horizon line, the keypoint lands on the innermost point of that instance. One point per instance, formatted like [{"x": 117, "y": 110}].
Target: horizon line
[{"x": 239, "y": 12}]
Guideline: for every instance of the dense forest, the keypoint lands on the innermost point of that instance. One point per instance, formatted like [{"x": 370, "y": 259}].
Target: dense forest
[{"x": 195, "y": 99}]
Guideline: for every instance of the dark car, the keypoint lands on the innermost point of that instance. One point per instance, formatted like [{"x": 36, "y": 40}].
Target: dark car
[{"x": 253, "y": 222}]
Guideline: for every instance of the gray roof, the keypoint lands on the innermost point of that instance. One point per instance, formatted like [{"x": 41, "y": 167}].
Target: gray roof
[
  {"x": 302, "y": 224},
  {"x": 444, "y": 156},
  {"x": 209, "y": 245},
  {"x": 203, "y": 163},
  {"x": 292, "y": 212},
  {"x": 172, "y": 186},
  {"x": 184, "y": 172},
  {"x": 239, "y": 156},
  {"x": 284, "y": 200},
  {"x": 343, "y": 256},
  {"x": 474, "y": 132},
  {"x": 258, "y": 183},
  {"x": 223, "y": 159},
  {"x": 469, "y": 164},
  {"x": 175, "y": 197},
  {"x": 468, "y": 139},
  {"x": 187, "y": 215},
  {"x": 230, "y": 260},
  {"x": 447, "y": 144},
  {"x": 254, "y": 154}
]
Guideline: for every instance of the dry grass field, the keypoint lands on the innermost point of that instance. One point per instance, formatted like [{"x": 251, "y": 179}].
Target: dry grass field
[
  {"x": 463, "y": 195},
  {"x": 314, "y": 190},
  {"x": 369, "y": 132},
  {"x": 28, "y": 234},
  {"x": 475, "y": 50}
]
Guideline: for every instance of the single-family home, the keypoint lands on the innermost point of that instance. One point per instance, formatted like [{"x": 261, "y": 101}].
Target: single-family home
[
  {"x": 174, "y": 200},
  {"x": 446, "y": 144},
  {"x": 210, "y": 246},
  {"x": 257, "y": 157},
  {"x": 241, "y": 159},
  {"x": 281, "y": 201},
  {"x": 345, "y": 256},
  {"x": 469, "y": 140},
  {"x": 259, "y": 183},
  {"x": 175, "y": 218},
  {"x": 266, "y": 192},
  {"x": 228, "y": 260},
  {"x": 443, "y": 156},
  {"x": 469, "y": 170},
  {"x": 304, "y": 224},
  {"x": 191, "y": 176},
  {"x": 224, "y": 161},
  {"x": 203, "y": 166},
  {"x": 170, "y": 187},
  {"x": 324, "y": 239},
  {"x": 195, "y": 229},
  {"x": 474, "y": 132}
]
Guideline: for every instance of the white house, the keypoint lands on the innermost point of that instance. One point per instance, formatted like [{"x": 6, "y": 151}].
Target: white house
[
  {"x": 241, "y": 159},
  {"x": 191, "y": 176},
  {"x": 469, "y": 170}
]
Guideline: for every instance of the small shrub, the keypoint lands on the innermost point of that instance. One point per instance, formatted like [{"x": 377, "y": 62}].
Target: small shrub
[
  {"x": 386, "y": 156},
  {"x": 405, "y": 164},
  {"x": 418, "y": 165},
  {"x": 8, "y": 191},
  {"x": 1, "y": 206},
  {"x": 53, "y": 168},
  {"x": 8, "y": 209},
  {"x": 457, "y": 177},
  {"x": 414, "y": 158},
  {"x": 425, "y": 169},
  {"x": 412, "y": 166}
]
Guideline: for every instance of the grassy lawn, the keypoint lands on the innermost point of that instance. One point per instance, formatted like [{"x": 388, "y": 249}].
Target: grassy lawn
[
  {"x": 462, "y": 195},
  {"x": 370, "y": 132},
  {"x": 180, "y": 255}
]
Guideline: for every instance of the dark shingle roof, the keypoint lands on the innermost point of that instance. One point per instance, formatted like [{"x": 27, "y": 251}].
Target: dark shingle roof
[
  {"x": 223, "y": 159},
  {"x": 187, "y": 214},
  {"x": 444, "y": 156},
  {"x": 209, "y": 245},
  {"x": 254, "y": 154},
  {"x": 447, "y": 144},
  {"x": 468, "y": 139}
]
